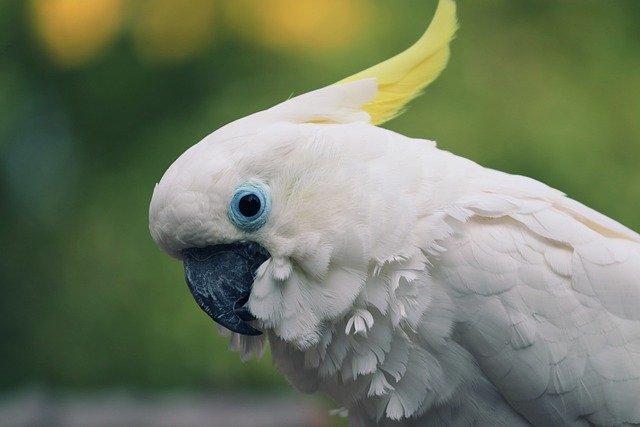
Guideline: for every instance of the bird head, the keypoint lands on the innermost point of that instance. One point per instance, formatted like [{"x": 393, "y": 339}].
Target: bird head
[{"x": 280, "y": 216}]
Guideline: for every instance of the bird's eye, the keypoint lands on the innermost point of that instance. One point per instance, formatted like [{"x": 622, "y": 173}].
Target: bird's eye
[{"x": 250, "y": 206}]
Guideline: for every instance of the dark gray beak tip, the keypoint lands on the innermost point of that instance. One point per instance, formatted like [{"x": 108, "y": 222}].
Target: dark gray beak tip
[
  {"x": 220, "y": 279},
  {"x": 235, "y": 323}
]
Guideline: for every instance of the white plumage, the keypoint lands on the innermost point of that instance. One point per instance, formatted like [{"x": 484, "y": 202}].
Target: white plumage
[{"x": 413, "y": 286}]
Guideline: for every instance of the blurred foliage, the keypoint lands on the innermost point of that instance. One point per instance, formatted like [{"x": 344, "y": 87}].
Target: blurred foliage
[
  {"x": 98, "y": 98},
  {"x": 75, "y": 31}
]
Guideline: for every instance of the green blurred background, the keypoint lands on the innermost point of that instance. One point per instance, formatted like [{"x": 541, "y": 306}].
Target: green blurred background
[{"x": 98, "y": 97}]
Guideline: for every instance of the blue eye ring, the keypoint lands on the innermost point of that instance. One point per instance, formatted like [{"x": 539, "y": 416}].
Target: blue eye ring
[{"x": 250, "y": 206}]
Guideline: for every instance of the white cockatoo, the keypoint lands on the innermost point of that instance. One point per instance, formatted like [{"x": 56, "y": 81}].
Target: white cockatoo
[{"x": 412, "y": 286}]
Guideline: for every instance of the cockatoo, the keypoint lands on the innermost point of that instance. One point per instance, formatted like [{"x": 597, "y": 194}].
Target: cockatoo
[{"x": 412, "y": 286}]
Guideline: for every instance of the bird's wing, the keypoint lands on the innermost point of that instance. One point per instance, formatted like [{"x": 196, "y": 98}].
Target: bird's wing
[{"x": 548, "y": 293}]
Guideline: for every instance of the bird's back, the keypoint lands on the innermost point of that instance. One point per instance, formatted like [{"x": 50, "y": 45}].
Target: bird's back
[{"x": 547, "y": 300}]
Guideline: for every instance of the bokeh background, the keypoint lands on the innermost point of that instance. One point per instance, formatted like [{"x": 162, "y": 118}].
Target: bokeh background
[{"x": 98, "y": 97}]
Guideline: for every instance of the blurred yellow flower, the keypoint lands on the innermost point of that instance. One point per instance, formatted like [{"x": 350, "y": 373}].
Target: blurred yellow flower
[
  {"x": 173, "y": 30},
  {"x": 300, "y": 24},
  {"x": 75, "y": 31}
]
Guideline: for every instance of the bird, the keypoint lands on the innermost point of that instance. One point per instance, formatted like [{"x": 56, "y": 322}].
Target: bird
[{"x": 412, "y": 286}]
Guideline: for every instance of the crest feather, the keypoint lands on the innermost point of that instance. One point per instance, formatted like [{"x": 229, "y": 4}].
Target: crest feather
[{"x": 404, "y": 76}]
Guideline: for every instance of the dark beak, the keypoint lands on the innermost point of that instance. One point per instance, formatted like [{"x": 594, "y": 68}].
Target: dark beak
[{"x": 220, "y": 278}]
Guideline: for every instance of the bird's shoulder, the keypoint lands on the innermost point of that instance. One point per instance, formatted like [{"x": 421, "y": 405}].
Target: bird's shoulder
[{"x": 548, "y": 299}]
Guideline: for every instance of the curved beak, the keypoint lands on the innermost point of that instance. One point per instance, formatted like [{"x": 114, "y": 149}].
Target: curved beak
[{"x": 220, "y": 278}]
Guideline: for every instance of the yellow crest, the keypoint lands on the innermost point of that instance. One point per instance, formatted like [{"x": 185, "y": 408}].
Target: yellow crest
[{"x": 403, "y": 77}]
